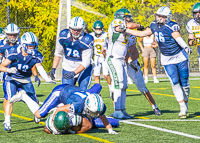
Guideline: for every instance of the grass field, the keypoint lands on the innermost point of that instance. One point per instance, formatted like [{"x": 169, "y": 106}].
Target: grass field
[{"x": 146, "y": 127}]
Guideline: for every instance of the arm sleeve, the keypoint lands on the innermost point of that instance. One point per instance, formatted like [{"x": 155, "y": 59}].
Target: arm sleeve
[
  {"x": 87, "y": 55},
  {"x": 43, "y": 73},
  {"x": 59, "y": 50}
]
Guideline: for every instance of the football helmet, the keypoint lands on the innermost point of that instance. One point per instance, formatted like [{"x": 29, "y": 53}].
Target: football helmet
[
  {"x": 163, "y": 11},
  {"x": 196, "y": 9},
  {"x": 98, "y": 25},
  {"x": 29, "y": 39},
  {"x": 76, "y": 24},
  {"x": 12, "y": 29},
  {"x": 94, "y": 105},
  {"x": 61, "y": 121},
  {"x": 123, "y": 13}
]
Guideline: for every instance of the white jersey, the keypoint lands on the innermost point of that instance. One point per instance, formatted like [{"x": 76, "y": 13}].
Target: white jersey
[
  {"x": 75, "y": 120},
  {"x": 2, "y": 36},
  {"x": 194, "y": 28},
  {"x": 117, "y": 42},
  {"x": 99, "y": 43}
]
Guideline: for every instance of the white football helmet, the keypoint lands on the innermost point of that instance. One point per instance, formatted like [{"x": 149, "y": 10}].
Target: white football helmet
[
  {"x": 29, "y": 39},
  {"x": 12, "y": 29},
  {"x": 77, "y": 23},
  {"x": 163, "y": 11},
  {"x": 94, "y": 105}
]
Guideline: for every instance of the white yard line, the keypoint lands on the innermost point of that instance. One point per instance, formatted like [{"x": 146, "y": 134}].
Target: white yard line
[{"x": 160, "y": 129}]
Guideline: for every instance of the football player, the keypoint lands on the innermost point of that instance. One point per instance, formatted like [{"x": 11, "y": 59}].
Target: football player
[
  {"x": 100, "y": 47},
  {"x": 135, "y": 73},
  {"x": 64, "y": 122},
  {"x": 18, "y": 66},
  {"x": 115, "y": 58},
  {"x": 193, "y": 29},
  {"x": 75, "y": 101},
  {"x": 77, "y": 48},
  {"x": 174, "y": 57}
]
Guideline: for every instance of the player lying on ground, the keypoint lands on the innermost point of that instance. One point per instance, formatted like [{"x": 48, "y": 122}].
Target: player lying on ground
[
  {"x": 76, "y": 101},
  {"x": 64, "y": 122}
]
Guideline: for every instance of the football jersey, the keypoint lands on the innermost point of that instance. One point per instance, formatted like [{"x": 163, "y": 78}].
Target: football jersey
[
  {"x": 99, "y": 43},
  {"x": 162, "y": 32},
  {"x": 73, "y": 49},
  {"x": 117, "y": 42},
  {"x": 193, "y": 27},
  {"x": 74, "y": 120},
  {"x": 73, "y": 95},
  {"x": 24, "y": 63}
]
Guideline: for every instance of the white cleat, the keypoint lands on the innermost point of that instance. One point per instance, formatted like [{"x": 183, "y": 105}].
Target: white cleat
[
  {"x": 17, "y": 97},
  {"x": 156, "y": 80},
  {"x": 146, "y": 81},
  {"x": 37, "y": 120},
  {"x": 7, "y": 126},
  {"x": 183, "y": 112}
]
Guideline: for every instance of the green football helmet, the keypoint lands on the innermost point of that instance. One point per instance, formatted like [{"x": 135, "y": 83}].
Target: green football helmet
[
  {"x": 196, "y": 9},
  {"x": 121, "y": 13},
  {"x": 61, "y": 121},
  {"x": 98, "y": 25}
]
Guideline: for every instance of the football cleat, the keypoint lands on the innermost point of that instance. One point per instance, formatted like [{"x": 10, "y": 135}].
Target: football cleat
[
  {"x": 127, "y": 115},
  {"x": 17, "y": 97},
  {"x": 183, "y": 111},
  {"x": 156, "y": 80},
  {"x": 120, "y": 115},
  {"x": 157, "y": 112},
  {"x": 37, "y": 120},
  {"x": 7, "y": 126}
]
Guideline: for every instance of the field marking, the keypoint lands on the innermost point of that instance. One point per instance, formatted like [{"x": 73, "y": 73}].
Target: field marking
[
  {"x": 164, "y": 120},
  {"x": 162, "y": 129},
  {"x": 43, "y": 123},
  {"x": 94, "y": 138}
]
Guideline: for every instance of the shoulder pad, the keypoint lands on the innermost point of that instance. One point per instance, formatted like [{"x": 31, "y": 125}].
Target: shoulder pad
[
  {"x": 64, "y": 33},
  {"x": 87, "y": 38}
]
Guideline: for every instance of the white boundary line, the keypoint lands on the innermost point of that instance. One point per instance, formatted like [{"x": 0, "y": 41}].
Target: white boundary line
[{"x": 161, "y": 129}]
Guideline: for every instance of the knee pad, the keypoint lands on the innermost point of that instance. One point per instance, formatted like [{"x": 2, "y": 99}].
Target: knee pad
[{"x": 186, "y": 92}]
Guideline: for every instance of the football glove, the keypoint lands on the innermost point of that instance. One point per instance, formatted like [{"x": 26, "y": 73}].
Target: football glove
[
  {"x": 52, "y": 73},
  {"x": 12, "y": 70},
  {"x": 188, "y": 50},
  {"x": 122, "y": 27},
  {"x": 134, "y": 66},
  {"x": 141, "y": 28},
  {"x": 69, "y": 75},
  {"x": 37, "y": 80},
  {"x": 111, "y": 131}
]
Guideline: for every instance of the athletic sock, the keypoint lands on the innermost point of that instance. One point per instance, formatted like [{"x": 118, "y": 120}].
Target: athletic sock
[
  {"x": 32, "y": 105},
  {"x": 154, "y": 106},
  {"x": 7, "y": 119}
]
